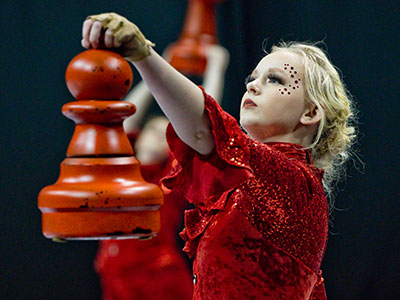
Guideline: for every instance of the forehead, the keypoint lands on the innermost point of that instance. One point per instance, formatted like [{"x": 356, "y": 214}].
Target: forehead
[{"x": 279, "y": 59}]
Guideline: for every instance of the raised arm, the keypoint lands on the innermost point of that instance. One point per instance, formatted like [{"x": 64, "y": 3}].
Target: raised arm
[
  {"x": 140, "y": 96},
  {"x": 214, "y": 75},
  {"x": 179, "y": 98}
]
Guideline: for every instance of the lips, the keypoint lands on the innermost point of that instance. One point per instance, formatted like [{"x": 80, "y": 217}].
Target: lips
[{"x": 248, "y": 103}]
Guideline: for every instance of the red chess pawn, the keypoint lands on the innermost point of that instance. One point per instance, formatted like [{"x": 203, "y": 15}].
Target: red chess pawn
[
  {"x": 100, "y": 193},
  {"x": 188, "y": 54}
]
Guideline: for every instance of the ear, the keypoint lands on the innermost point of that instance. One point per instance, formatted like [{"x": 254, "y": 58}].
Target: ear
[{"x": 312, "y": 115}]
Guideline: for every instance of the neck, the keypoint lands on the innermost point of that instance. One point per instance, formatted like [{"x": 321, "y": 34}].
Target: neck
[
  {"x": 287, "y": 138},
  {"x": 301, "y": 136}
]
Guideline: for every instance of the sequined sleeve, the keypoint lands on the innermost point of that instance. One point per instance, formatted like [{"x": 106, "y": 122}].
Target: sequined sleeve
[{"x": 202, "y": 179}]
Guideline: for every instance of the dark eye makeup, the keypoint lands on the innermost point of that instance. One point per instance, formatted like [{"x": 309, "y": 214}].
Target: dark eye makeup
[{"x": 271, "y": 78}]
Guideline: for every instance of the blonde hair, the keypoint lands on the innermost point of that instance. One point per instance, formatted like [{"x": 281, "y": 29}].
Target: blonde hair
[{"x": 336, "y": 132}]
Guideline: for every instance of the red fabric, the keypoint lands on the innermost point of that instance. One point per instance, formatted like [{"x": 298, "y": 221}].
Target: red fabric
[
  {"x": 151, "y": 269},
  {"x": 260, "y": 226}
]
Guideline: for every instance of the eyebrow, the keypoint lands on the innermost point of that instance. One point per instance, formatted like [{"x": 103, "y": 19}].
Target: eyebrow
[
  {"x": 276, "y": 70},
  {"x": 279, "y": 70}
]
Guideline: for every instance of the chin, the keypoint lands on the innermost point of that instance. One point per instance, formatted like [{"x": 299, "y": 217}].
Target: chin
[
  {"x": 249, "y": 120},
  {"x": 244, "y": 123}
]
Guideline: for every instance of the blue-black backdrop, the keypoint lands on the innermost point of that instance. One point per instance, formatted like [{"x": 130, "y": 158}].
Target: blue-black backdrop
[{"x": 39, "y": 38}]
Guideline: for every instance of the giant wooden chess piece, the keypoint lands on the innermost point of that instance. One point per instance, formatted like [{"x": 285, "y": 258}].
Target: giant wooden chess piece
[
  {"x": 100, "y": 193},
  {"x": 188, "y": 54}
]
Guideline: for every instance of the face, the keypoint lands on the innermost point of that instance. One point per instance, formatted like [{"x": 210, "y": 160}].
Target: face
[{"x": 274, "y": 102}]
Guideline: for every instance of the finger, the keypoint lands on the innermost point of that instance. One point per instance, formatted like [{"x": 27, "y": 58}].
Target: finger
[
  {"x": 95, "y": 34},
  {"x": 116, "y": 43},
  {"x": 87, "y": 25},
  {"x": 115, "y": 24},
  {"x": 85, "y": 44},
  {"x": 108, "y": 38}
]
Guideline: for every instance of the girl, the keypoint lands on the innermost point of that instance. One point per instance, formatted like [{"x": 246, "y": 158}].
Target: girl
[{"x": 260, "y": 226}]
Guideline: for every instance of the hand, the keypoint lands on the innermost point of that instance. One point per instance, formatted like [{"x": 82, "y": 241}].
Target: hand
[{"x": 119, "y": 33}]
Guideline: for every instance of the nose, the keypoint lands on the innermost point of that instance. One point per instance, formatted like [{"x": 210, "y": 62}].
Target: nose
[{"x": 253, "y": 87}]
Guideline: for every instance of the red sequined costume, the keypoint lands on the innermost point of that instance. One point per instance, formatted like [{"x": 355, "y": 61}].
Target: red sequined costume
[
  {"x": 260, "y": 226},
  {"x": 152, "y": 269}
]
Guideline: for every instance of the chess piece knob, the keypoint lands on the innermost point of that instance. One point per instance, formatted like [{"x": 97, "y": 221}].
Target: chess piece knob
[{"x": 98, "y": 75}]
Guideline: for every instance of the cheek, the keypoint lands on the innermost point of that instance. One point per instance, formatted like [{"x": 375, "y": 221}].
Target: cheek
[
  {"x": 294, "y": 81},
  {"x": 286, "y": 91},
  {"x": 288, "y": 106}
]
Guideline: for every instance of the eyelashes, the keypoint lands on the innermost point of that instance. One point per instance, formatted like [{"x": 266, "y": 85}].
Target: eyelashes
[{"x": 271, "y": 78}]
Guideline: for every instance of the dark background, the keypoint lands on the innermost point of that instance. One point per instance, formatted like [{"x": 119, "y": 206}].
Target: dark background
[{"x": 39, "y": 38}]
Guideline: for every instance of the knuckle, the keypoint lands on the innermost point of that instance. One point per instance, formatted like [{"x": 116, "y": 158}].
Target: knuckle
[{"x": 97, "y": 24}]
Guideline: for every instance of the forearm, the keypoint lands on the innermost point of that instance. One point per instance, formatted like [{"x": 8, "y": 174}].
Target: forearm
[
  {"x": 181, "y": 101},
  {"x": 217, "y": 62}
]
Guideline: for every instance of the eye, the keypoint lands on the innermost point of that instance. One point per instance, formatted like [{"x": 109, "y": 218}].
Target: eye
[
  {"x": 272, "y": 78},
  {"x": 248, "y": 79}
]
